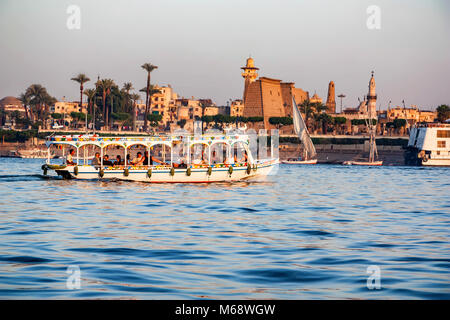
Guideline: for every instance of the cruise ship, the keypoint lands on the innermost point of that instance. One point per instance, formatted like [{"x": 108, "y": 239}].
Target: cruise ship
[{"x": 429, "y": 145}]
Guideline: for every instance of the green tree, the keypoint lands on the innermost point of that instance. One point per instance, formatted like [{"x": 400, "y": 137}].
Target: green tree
[
  {"x": 339, "y": 122},
  {"x": 399, "y": 123},
  {"x": 56, "y": 116},
  {"x": 323, "y": 120},
  {"x": 121, "y": 118},
  {"x": 81, "y": 79},
  {"x": 105, "y": 86},
  {"x": 443, "y": 113},
  {"x": 255, "y": 119},
  {"x": 307, "y": 108},
  {"x": 134, "y": 98},
  {"x": 127, "y": 87},
  {"x": 149, "y": 68},
  {"x": 154, "y": 119},
  {"x": 25, "y": 99},
  {"x": 207, "y": 120},
  {"x": 280, "y": 121},
  {"x": 181, "y": 123},
  {"x": 90, "y": 94},
  {"x": 39, "y": 101}
]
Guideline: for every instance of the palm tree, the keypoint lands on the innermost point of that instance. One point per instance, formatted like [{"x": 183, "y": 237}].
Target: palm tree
[
  {"x": 127, "y": 87},
  {"x": 134, "y": 97},
  {"x": 105, "y": 85},
  {"x": 151, "y": 91},
  {"x": 149, "y": 68},
  {"x": 25, "y": 99},
  {"x": 307, "y": 108},
  {"x": 81, "y": 79},
  {"x": 90, "y": 94},
  {"x": 40, "y": 100}
]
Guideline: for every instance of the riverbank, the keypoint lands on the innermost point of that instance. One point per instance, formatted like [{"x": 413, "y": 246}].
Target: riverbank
[{"x": 330, "y": 149}]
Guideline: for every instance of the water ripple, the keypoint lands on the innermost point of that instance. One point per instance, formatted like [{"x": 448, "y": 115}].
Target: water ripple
[{"x": 309, "y": 232}]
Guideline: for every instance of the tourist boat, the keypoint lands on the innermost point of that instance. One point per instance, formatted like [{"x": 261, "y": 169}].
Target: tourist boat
[
  {"x": 183, "y": 163},
  {"x": 429, "y": 145},
  {"x": 309, "y": 151}
]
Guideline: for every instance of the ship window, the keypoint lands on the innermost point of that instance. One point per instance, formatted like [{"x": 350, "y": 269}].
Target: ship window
[
  {"x": 441, "y": 144},
  {"x": 443, "y": 133}
]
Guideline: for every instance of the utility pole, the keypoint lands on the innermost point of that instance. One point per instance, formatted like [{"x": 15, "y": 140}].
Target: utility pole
[{"x": 341, "y": 96}]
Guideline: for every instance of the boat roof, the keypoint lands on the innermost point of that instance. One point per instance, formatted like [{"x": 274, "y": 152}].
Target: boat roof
[
  {"x": 433, "y": 125},
  {"x": 127, "y": 141}
]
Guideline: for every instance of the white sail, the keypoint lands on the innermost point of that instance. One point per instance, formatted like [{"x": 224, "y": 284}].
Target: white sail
[{"x": 302, "y": 131}]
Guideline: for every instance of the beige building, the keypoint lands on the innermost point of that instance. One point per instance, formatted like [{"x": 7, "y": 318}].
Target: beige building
[
  {"x": 412, "y": 114},
  {"x": 164, "y": 103},
  {"x": 267, "y": 97},
  {"x": 9, "y": 105},
  {"x": 192, "y": 108},
  {"x": 237, "y": 108},
  {"x": 68, "y": 107},
  {"x": 315, "y": 99}
]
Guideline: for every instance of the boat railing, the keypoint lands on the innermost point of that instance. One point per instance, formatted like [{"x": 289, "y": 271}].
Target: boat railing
[{"x": 166, "y": 166}]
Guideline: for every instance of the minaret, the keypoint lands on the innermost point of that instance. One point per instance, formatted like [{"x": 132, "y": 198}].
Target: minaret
[
  {"x": 331, "y": 98},
  {"x": 249, "y": 74},
  {"x": 372, "y": 99}
]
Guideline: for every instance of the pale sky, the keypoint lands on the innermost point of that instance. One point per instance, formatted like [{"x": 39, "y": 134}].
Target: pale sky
[{"x": 200, "y": 45}]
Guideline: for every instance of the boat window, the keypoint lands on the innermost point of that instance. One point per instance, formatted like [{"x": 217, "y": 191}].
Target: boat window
[
  {"x": 443, "y": 133},
  {"x": 441, "y": 144}
]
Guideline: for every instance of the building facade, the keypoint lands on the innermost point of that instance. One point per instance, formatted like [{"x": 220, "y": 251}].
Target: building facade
[
  {"x": 268, "y": 97},
  {"x": 66, "y": 107}
]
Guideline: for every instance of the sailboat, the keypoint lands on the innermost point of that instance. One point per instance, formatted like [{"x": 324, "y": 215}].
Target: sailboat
[
  {"x": 302, "y": 131},
  {"x": 373, "y": 152}
]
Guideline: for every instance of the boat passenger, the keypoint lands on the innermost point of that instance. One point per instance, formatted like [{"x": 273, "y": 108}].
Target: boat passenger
[
  {"x": 69, "y": 158},
  {"x": 214, "y": 158},
  {"x": 96, "y": 161},
  {"x": 139, "y": 160},
  {"x": 245, "y": 157},
  {"x": 106, "y": 161},
  {"x": 152, "y": 160},
  {"x": 180, "y": 165},
  {"x": 199, "y": 161},
  {"x": 119, "y": 161}
]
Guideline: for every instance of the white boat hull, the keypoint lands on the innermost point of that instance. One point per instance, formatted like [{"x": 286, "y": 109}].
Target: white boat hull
[
  {"x": 312, "y": 161},
  {"x": 167, "y": 175},
  {"x": 436, "y": 162}
]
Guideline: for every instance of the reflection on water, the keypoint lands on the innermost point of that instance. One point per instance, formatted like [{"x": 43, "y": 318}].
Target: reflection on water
[{"x": 310, "y": 232}]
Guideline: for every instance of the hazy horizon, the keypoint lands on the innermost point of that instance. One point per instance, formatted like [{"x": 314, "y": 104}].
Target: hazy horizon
[{"x": 199, "y": 47}]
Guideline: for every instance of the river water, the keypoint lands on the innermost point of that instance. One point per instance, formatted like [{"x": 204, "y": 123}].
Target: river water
[{"x": 309, "y": 232}]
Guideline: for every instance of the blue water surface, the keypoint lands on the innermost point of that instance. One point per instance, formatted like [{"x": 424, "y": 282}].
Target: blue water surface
[{"x": 308, "y": 232}]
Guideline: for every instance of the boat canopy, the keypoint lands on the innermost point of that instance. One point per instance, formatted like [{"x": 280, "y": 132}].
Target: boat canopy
[
  {"x": 149, "y": 141},
  {"x": 189, "y": 141}
]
